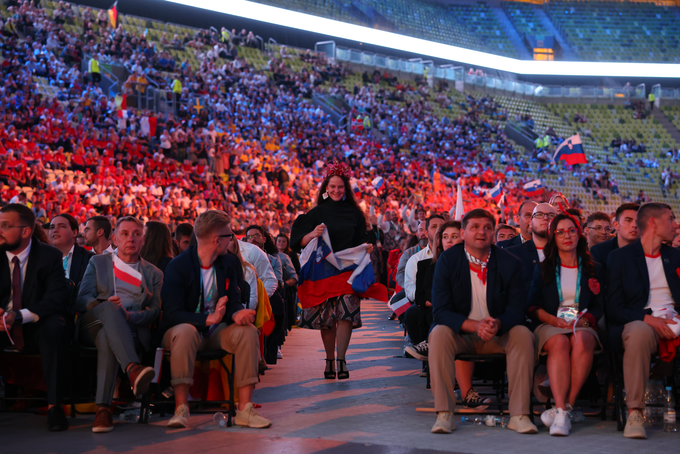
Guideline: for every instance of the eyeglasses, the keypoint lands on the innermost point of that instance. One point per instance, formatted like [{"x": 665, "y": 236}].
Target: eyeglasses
[
  {"x": 572, "y": 232},
  {"x": 227, "y": 235},
  {"x": 599, "y": 228},
  {"x": 540, "y": 215},
  {"x": 254, "y": 236},
  {"x": 5, "y": 226}
]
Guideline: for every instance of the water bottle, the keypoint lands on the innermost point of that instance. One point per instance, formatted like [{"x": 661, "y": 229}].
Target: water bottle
[
  {"x": 219, "y": 419},
  {"x": 479, "y": 420},
  {"x": 130, "y": 415},
  {"x": 669, "y": 412}
]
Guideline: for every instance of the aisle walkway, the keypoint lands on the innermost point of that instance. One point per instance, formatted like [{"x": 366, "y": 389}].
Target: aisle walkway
[{"x": 372, "y": 412}]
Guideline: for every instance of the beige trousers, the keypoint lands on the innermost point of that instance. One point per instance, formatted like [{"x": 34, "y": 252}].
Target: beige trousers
[
  {"x": 518, "y": 346},
  {"x": 640, "y": 342},
  {"x": 184, "y": 341}
]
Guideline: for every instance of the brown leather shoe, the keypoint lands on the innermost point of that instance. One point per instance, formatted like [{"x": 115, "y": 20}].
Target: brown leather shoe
[
  {"x": 140, "y": 378},
  {"x": 103, "y": 421}
]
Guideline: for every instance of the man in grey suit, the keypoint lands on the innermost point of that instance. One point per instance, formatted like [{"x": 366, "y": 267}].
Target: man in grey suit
[{"x": 120, "y": 296}]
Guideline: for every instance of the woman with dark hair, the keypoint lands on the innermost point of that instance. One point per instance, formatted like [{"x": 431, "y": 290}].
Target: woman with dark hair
[
  {"x": 566, "y": 298},
  {"x": 157, "y": 248},
  {"x": 337, "y": 212},
  {"x": 283, "y": 245}
]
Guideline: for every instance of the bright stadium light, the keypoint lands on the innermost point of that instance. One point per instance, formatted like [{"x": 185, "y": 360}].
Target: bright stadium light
[{"x": 329, "y": 27}]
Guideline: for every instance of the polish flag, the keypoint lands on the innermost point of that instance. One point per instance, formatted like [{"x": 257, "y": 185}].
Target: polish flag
[{"x": 125, "y": 272}]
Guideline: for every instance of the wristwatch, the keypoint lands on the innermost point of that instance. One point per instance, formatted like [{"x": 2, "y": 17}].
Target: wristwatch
[
  {"x": 586, "y": 323},
  {"x": 19, "y": 320}
]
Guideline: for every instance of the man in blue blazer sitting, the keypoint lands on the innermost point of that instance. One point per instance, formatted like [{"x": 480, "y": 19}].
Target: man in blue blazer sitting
[
  {"x": 643, "y": 284},
  {"x": 202, "y": 310},
  {"x": 479, "y": 306}
]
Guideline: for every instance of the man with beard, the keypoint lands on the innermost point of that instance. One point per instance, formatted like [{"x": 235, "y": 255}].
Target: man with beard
[
  {"x": 97, "y": 234},
  {"x": 34, "y": 304},
  {"x": 531, "y": 252},
  {"x": 525, "y": 211}
]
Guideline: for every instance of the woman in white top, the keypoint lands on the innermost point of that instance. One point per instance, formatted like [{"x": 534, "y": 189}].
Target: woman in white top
[{"x": 565, "y": 291}]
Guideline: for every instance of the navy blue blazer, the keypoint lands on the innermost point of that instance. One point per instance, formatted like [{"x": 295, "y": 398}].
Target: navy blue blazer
[
  {"x": 81, "y": 257},
  {"x": 600, "y": 252},
  {"x": 182, "y": 289},
  {"x": 545, "y": 296},
  {"x": 628, "y": 282},
  {"x": 452, "y": 289},
  {"x": 528, "y": 255},
  {"x": 514, "y": 241}
]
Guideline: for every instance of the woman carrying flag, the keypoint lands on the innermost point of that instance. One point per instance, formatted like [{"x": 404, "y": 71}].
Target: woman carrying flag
[{"x": 337, "y": 212}]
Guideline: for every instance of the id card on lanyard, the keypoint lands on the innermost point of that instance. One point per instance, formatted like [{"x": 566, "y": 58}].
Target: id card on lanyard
[
  {"x": 568, "y": 313},
  {"x": 200, "y": 308}
]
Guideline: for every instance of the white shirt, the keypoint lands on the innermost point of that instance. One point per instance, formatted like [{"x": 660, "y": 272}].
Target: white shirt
[
  {"x": 256, "y": 257},
  {"x": 659, "y": 293},
  {"x": 568, "y": 277},
  {"x": 412, "y": 269},
  {"x": 69, "y": 261},
  {"x": 209, "y": 283},
  {"x": 541, "y": 255},
  {"x": 23, "y": 260},
  {"x": 478, "y": 309}
]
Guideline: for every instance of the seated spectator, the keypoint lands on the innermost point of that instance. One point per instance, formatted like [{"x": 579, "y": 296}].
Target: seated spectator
[
  {"x": 183, "y": 234},
  {"x": 557, "y": 306},
  {"x": 208, "y": 314},
  {"x": 463, "y": 306},
  {"x": 63, "y": 233},
  {"x": 120, "y": 299},
  {"x": 640, "y": 304},
  {"x": 504, "y": 232},
  {"x": 597, "y": 229},
  {"x": 38, "y": 320},
  {"x": 157, "y": 248}
]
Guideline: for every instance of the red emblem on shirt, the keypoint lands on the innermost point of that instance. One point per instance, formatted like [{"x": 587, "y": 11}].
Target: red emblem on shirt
[
  {"x": 227, "y": 286},
  {"x": 594, "y": 286},
  {"x": 677, "y": 271}
]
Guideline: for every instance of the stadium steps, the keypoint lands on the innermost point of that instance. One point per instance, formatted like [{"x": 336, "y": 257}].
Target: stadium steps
[
  {"x": 567, "y": 53},
  {"x": 666, "y": 123},
  {"x": 515, "y": 38}
]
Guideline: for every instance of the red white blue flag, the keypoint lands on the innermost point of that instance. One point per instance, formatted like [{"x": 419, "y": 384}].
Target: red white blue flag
[
  {"x": 534, "y": 188},
  {"x": 571, "y": 151},
  {"x": 496, "y": 192},
  {"x": 326, "y": 274}
]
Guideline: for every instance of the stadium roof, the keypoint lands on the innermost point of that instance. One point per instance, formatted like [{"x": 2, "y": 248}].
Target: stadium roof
[{"x": 338, "y": 29}]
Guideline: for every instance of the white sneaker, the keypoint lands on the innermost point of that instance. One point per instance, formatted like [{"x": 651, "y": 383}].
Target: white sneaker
[
  {"x": 279, "y": 355},
  {"x": 181, "y": 418},
  {"x": 635, "y": 426},
  {"x": 548, "y": 416},
  {"x": 248, "y": 417},
  {"x": 561, "y": 425},
  {"x": 443, "y": 425}
]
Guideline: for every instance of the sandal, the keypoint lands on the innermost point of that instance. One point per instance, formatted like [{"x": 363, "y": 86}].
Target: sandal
[
  {"x": 329, "y": 375},
  {"x": 343, "y": 373}
]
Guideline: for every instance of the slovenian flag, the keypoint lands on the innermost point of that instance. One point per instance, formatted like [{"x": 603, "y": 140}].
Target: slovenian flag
[
  {"x": 534, "y": 188},
  {"x": 378, "y": 183},
  {"x": 477, "y": 192},
  {"x": 496, "y": 192},
  {"x": 571, "y": 151},
  {"x": 125, "y": 272},
  {"x": 399, "y": 306},
  {"x": 326, "y": 274}
]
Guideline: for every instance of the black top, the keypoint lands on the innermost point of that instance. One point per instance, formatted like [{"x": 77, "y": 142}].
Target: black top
[
  {"x": 424, "y": 278},
  {"x": 79, "y": 260},
  {"x": 346, "y": 225},
  {"x": 181, "y": 292},
  {"x": 514, "y": 241},
  {"x": 528, "y": 254},
  {"x": 45, "y": 289},
  {"x": 506, "y": 297},
  {"x": 600, "y": 252}
]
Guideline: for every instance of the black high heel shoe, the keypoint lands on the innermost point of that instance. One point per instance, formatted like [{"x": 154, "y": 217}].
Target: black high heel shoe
[
  {"x": 329, "y": 375},
  {"x": 343, "y": 373}
]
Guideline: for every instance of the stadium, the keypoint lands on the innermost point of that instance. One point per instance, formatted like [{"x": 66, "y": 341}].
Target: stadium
[{"x": 164, "y": 112}]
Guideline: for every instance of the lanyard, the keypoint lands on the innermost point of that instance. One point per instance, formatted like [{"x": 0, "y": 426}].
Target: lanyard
[
  {"x": 201, "y": 302},
  {"x": 559, "y": 282}
]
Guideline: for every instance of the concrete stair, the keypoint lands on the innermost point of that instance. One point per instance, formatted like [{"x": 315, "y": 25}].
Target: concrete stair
[
  {"x": 568, "y": 53},
  {"x": 666, "y": 123},
  {"x": 515, "y": 38}
]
